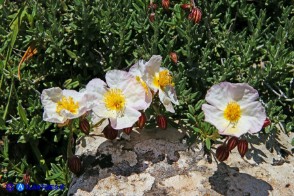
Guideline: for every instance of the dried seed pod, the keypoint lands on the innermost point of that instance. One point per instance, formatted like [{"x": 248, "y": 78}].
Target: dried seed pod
[
  {"x": 142, "y": 120},
  {"x": 195, "y": 15},
  {"x": 152, "y": 17},
  {"x": 110, "y": 133},
  {"x": 128, "y": 130},
  {"x": 165, "y": 4},
  {"x": 242, "y": 147},
  {"x": 186, "y": 7},
  {"x": 232, "y": 143},
  {"x": 26, "y": 178},
  {"x": 174, "y": 57},
  {"x": 266, "y": 123},
  {"x": 161, "y": 122},
  {"x": 84, "y": 126},
  {"x": 222, "y": 153},
  {"x": 74, "y": 164}
]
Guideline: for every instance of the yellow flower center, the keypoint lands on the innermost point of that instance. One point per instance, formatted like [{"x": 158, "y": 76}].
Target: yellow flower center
[
  {"x": 114, "y": 100},
  {"x": 143, "y": 84},
  {"x": 67, "y": 103},
  {"x": 163, "y": 79},
  {"x": 232, "y": 112}
]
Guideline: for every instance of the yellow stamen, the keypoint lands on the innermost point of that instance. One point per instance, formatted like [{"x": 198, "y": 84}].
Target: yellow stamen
[
  {"x": 143, "y": 84},
  {"x": 67, "y": 103},
  {"x": 232, "y": 112},
  {"x": 114, "y": 100},
  {"x": 163, "y": 79}
]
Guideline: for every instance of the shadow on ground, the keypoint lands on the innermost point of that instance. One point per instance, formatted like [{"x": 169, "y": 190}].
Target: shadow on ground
[{"x": 229, "y": 181}]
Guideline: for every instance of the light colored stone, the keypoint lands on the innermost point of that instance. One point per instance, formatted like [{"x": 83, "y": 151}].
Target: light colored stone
[{"x": 156, "y": 162}]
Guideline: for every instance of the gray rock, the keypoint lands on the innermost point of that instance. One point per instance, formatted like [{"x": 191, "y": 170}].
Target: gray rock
[{"x": 159, "y": 162}]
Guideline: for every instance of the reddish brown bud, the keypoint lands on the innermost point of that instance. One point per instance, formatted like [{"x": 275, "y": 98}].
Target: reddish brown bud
[
  {"x": 128, "y": 130},
  {"x": 152, "y": 17},
  {"x": 142, "y": 120},
  {"x": 84, "y": 126},
  {"x": 242, "y": 147},
  {"x": 232, "y": 143},
  {"x": 26, "y": 178},
  {"x": 110, "y": 133},
  {"x": 165, "y": 4},
  {"x": 195, "y": 15},
  {"x": 152, "y": 6},
  {"x": 74, "y": 164},
  {"x": 161, "y": 122},
  {"x": 174, "y": 57},
  {"x": 266, "y": 123},
  {"x": 222, "y": 153},
  {"x": 186, "y": 6}
]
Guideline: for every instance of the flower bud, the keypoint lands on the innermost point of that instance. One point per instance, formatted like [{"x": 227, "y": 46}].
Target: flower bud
[
  {"x": 266, "y": 123},
  {"x": 110, "y": 133},
  {"x": 242, "y": 147},
  {"x": 74, "y": 164},
  {"x": 173, "y": 57},
  {"x": 195, "y": 15},
  {"x": 222, "y": 153},
  {"x": 186, "y": 6},
  {"x": 152, "y": 17},
  {"x": 152, "y": 6},
  {"x": 128, "y": 130},
  {"x": 26, "y": 178},
  {"x": 142, "y": 120},
  {"x": 232, "y": 143},
  {"x": 84, "y": 126},
  {"x": 162, "y": 122},
  {"x": 165, "y": 4}
]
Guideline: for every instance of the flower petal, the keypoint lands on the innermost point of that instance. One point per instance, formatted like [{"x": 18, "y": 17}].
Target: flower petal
[
  {"x": 217, "y": 95},
  {"x": 98, "y": 123},
  {"x": 166, "y": 101},
  {"x": 134, "y": 94},
  {"x": 135, "y": 70},
  {"x": 114, "y": 78},
  {"x": 51, "y": 95},
  {"x": 239, "y": 129},
  {"x": 129, "y": 118},
  {"x": 97, "y": 86},
  {"x": 215, "y": 116},
  {"x": 170, "y": 91},
  {"x": 254, "y": 112}
]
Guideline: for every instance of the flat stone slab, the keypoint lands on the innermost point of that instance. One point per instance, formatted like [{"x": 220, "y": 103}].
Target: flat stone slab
[{"x": 159, "y": 162}]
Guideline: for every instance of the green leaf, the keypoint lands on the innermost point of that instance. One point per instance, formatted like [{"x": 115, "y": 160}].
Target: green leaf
[
  {"x": 71, "y": 54},
  {"x": 207, "y": 143},
  {"x": 292, "y": 143},
  {"x": 191, "y": 109},
  {"x": 22, "y": 113}
]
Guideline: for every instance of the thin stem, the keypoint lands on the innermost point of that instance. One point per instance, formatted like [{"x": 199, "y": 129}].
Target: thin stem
[{"x": 69, "y": 145}]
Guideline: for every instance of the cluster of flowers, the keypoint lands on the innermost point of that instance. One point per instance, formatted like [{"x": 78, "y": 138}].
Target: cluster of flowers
[
  {"x": 120, "y": 102},
  {"x": 114, "y": 104}
]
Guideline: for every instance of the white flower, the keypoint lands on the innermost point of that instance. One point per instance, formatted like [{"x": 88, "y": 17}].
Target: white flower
[
  {"x": 159, "y": 79},
  {"x": 119, "y": 100},
  {"x": 61, "y": 105},
  {"x": 233, "y": 109},
  {"x": 98, "y": 123},
  {"x": 136, "y": 71}
]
